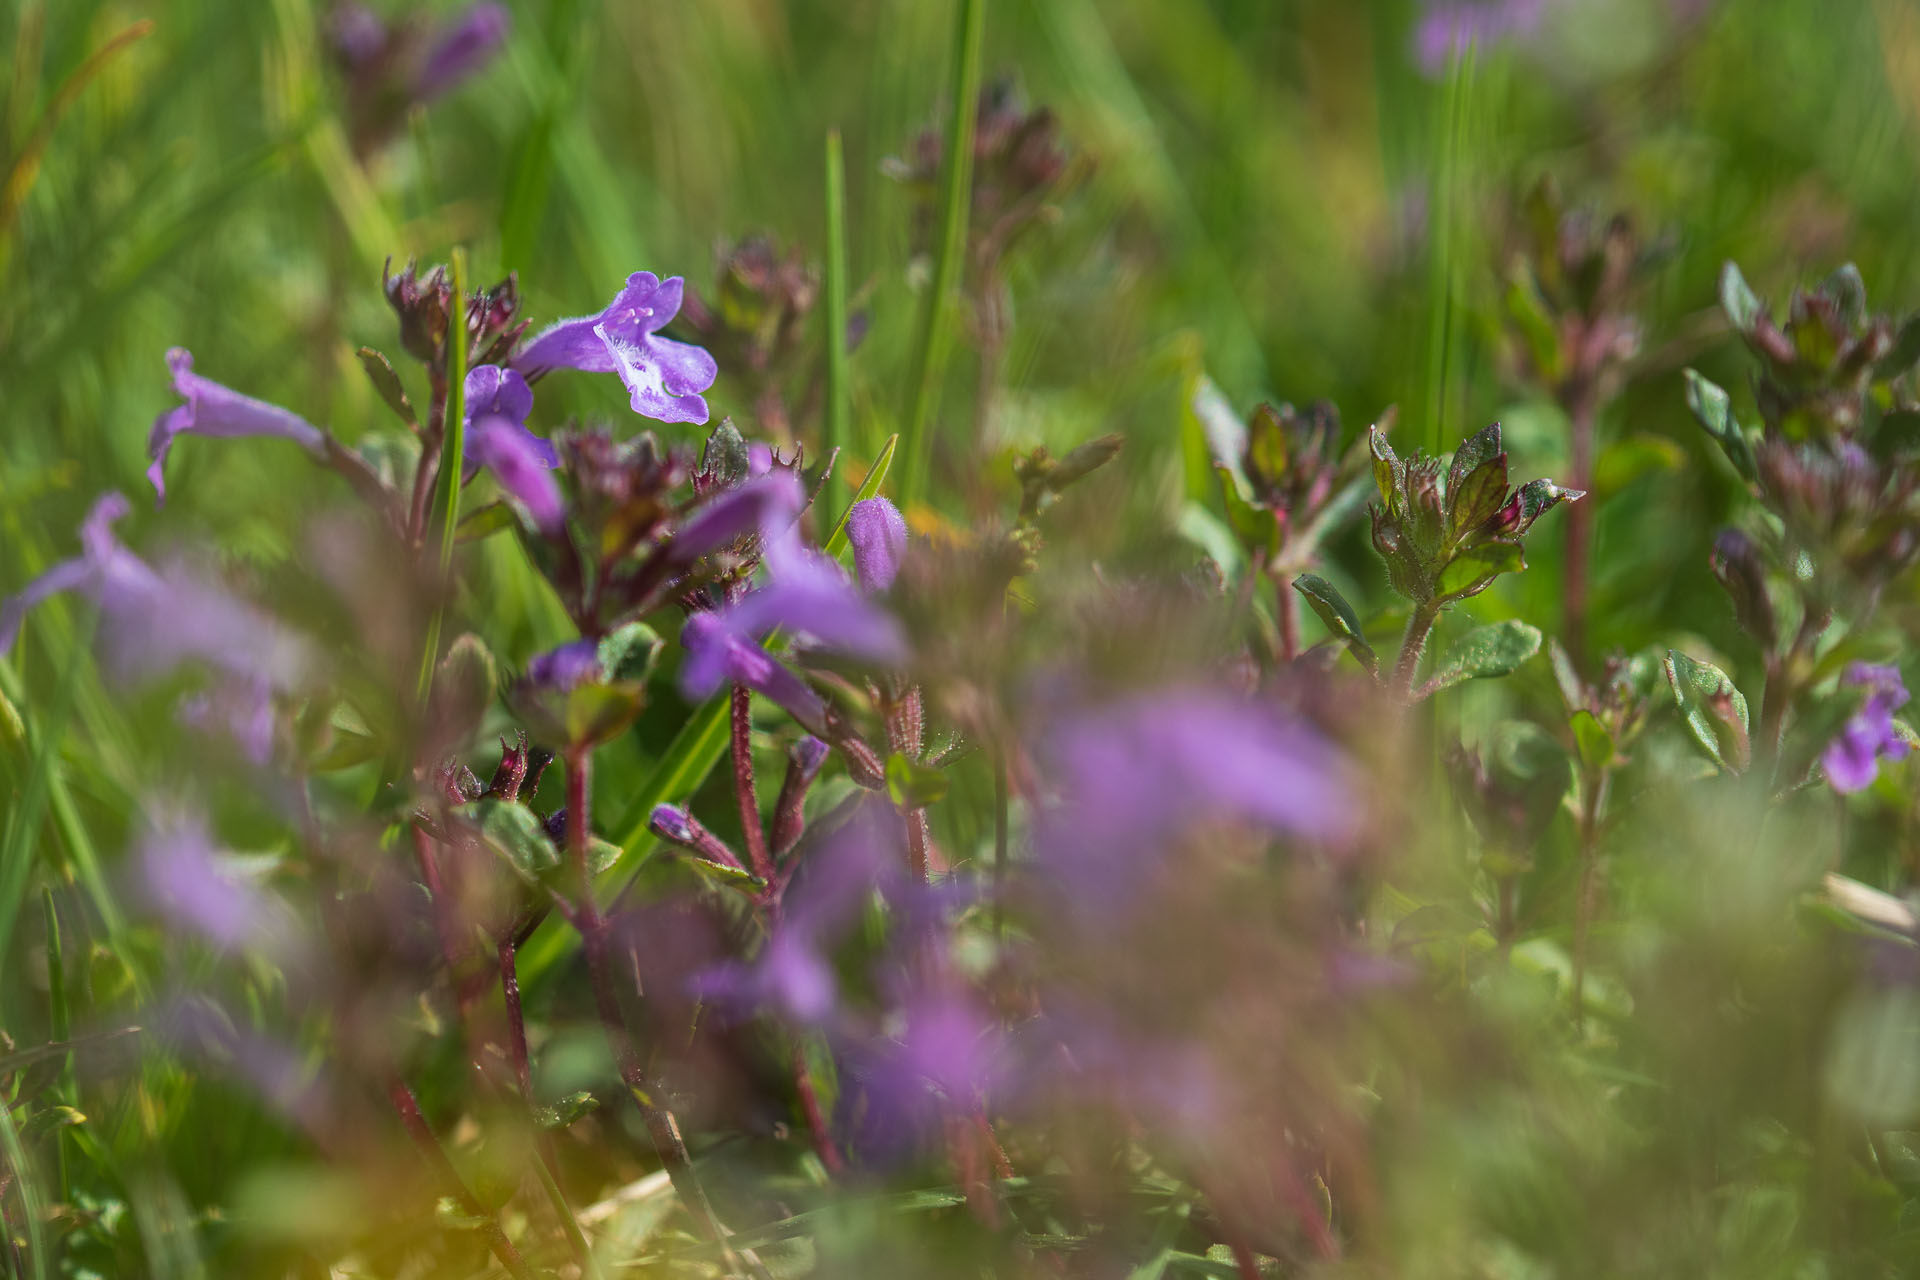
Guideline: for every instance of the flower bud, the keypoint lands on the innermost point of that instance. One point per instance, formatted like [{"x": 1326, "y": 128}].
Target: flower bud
[{"x": 1737, "y": 564}]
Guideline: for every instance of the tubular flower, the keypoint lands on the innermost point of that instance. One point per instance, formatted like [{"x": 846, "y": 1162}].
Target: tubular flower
[
  {"x": 214, "y": 410},
  {"x": 1852, "y": 760},
  {"x": 663, "y": 378}
]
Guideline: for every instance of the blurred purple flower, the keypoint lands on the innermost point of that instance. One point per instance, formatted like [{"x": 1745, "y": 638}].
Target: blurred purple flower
[
  {"x": 240, "y": 708},
  {"x": 765, "y": 503},
  {"x": 522, "y": 464},
  {"x": 878, "y": 533},
  {"x": 494, "y": 392},
  {"x": 461, "y": 48},
  {"x": 201, "y": 889},
  {"x": 561, "y": 669},
  {"x": 1447, "y": 30},
  {"x": 1133, "y": 774},
  {"x": 214, "y": 410},
  {"x": 663, "y": 378},
  {"x": 717, "y": 654},
  {"x": 1852, "y": 760},
  {"x": 153, "y": 622}
]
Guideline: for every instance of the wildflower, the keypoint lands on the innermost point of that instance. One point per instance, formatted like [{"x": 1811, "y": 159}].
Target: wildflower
[
  {"x": 203, "y": 890},
  {"x": 1852, "y": 760},
  {"x": 664, "y": 378},
  {"x": 564, "y": 668},
  {"x": 461, "y": 48},
  {"x": 878, "y": 533},
  {"x": 497, "y": 404},
  {"x": 717, "y": 654},
  {"x": 214, "y": 410},
  {"x": 391, "y": 68}
]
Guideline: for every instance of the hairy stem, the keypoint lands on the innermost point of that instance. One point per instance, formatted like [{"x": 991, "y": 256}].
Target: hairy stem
[
  {"x": 1412, "y": 644},
  {"x": 816, "y": 1116},
  {"x": 751, "y": 827}
]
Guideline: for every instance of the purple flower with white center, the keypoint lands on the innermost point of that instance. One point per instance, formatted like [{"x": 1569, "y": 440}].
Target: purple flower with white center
[
  {"x": 464, "y": 46},
  {"x": 663, "y": 378},
  {"x": 1133, "y": 775},
  {"x": 1852, "y": 760},
  {"x": 214, "y": 410},
  {"x": 878, "y": 533}
]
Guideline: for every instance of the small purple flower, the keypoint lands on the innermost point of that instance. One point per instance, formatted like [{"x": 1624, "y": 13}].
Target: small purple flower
[
  {"x": 717, "y": 654},
  {"x": 1852, "y": 760},
  {"x": 240, "y": 708},
  {"x": 1134, "y": 774},
  {"x": 196, "y": 886},
  {"x": 663, "y": 378},
  {"x": 521, "y": 462},
  {"x": 214, "y": 410},
  {"x": 669, "y": 821},
  {"x": 561, "y": 669},
  {"x": 153, "y": 622},
  {"x": 878, "y": 533},
  {"x": 767, "y": 504},
  {"x": 464, "y": 46}
]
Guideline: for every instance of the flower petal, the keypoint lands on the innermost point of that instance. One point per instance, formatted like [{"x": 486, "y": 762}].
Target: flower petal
[
  {"x": 522, "y": 463},
  {"x": 214, "y": 410},
  {"x": 878, "y": 533},
  {"x": 464, "y": 46}
]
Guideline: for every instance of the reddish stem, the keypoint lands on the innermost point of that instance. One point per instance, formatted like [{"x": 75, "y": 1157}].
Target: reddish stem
[
  {"x": 823, "y": 1144},
  {"x": 436, "y": 1156},
  {"x": 750, "y": 825}
]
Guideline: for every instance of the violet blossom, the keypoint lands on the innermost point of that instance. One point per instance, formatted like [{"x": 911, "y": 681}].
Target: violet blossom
[
  {"x": 461, "y": 48},
  {"x": 204, "y": 890},
  {"x": 878, "y": 533},
  {"x": 1134, "y": 774},
  {"x": 1852, "y": 760},
  {"x": 663, "y": 378},
  {"x": 214, "y": 410}
]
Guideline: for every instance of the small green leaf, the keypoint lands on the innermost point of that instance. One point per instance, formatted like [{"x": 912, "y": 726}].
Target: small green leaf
[
  {"x": 1737, "y": 300},
  {"x": 453, "y": 1216},
  {"x": 869, "y": 487},
  {"x": 1897, "y": 435},
  {"x": 1493, "y": 650},
  {"x": 1714, "y": 409},
  {"x": 1332, "y": 609},
  {"x": 1537, "y": 497},
  {"x": 1904, "y": 353},
  {"x": 515, "y": 833},
  {"x": 1478, "y": 494},
  {"x": 738, "y": 879},
  {"x": 484, "y": 521},
  {"x": 1573, "y": 690},
  {"x": 1848, "y": 292},
  {"x": 1474, "y": 569},
  {"x": 1474, "y": 452},
  {"x": 51, "y": 1118},
  {"x": 387, "y": 383},
  {"x": 1714, "y": 710},
  {"x": 629, "y": 653},
  {"x": 597, "y": 713},
  {"x": 1389, "y": 474},
  {"x": 1593, "y": 740},
  {"x": 912, "y": 785},
  {"x": 564, "y": 1112},
  {"x": 1255, "y": 527}
]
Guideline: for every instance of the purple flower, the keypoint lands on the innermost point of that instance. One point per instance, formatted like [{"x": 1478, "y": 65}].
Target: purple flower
[
  {"x": 1449, "y": 29},
  {"x": 521, "y": 462},
  {"x": 663, "y": 378},
  {"x": 241, "y": 708},
  {"x": 1134, "y": 774},
  {"x": 669, "y": 821},
  {"x": 199, "y": 888},
  {"x": 152, "y": 622},
  {"x": 717, "y": 654},
  {"x": 878, "y": 533},
  {"x": 1852, "y": 760},
  {"x": 214, "y": 410},
  {"x": 767, "y": 504},
  {"x": 561, "y": 669},
  {"x": 463, "y": 47}
]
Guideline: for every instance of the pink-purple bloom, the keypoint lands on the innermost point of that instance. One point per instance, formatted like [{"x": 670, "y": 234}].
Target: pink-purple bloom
[
  {"x": 878, "y": 533},
  {"x": 197, "y": 886},
  {"x": 718, "y": 654},
  {"x": 461, "y": 48},
  {"x": 214, "y": 410},
  {"x": 574, "y": 663},
  {"x": 663, "y": 378},
  {"x": 1852, "y": 760},
  {"x": 498, "y": 402}
]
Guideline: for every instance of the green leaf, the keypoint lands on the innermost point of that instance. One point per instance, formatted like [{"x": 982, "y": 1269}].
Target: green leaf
[
  {"x": 738, "y": 879},
  {"x": 1627, "y": 460},
  {"x": 1593, "y": 740},
  {"x": 725, "y": 456},
  {"x": 1477, "y": 495},
  {"x": 1389, "y": 473},
  {"x": 629, "y": 653},
  {"x": 453, "y": 1216},
  {"x": 1848, "y": 292},
  {"x": 1714, "y": 409},
  {"x": 387, "y": 383},
  {"x": 50, "y": 1118},
  {"x": 1537, "y": 497},
  {"x": 1256, "y": 527},
  {"x": 597, "y": 713},
  {"x": 869, "y": 487},
  {"x": 1737, "y": 300},
  {"x": 1474, "y": 452},
  {"x": 1714, "y": 710},
  {"x": 484, "y": 522},
  {"x": 1474, "y": 569},
  {"x": 565, "y": 1111},
  {"x": 912, "y": 785},
  {"x": 1573, "y": 690},
  {"x": 1897, "y": 435},
  {"x": 1493, "y": 650},
  {"x": 515, "y": 833},
  {"x": 1333, "y": 610},
  {"x": 1904, "y": 353}
]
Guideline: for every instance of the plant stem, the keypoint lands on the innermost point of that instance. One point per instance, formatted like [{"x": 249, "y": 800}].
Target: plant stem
[
  {"x": 1287, "y": 605},
  {"x": 823, "y": 1144},
  {"x": 741, "y": 743},
  {"x": 1412, "y": 644},
  {"x": 662, "y": 1129},
  {"x": 1581, "y": 409},
  {"x": 436, "y": 1156}
]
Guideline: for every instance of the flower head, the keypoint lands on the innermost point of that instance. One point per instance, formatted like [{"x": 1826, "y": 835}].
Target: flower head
[
  {"x": 663, "y": 378},
  {"x": 214, "y": 410},
  {"x": 878, "y": 533}
]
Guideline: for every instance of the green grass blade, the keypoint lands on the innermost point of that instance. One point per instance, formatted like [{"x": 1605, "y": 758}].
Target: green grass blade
[
  {"x": 17, "y": 849},
  {"x": 839, "y": 391},
  {"x": 956, "y": 183},
  {"x": 29, "y": 1193}
]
